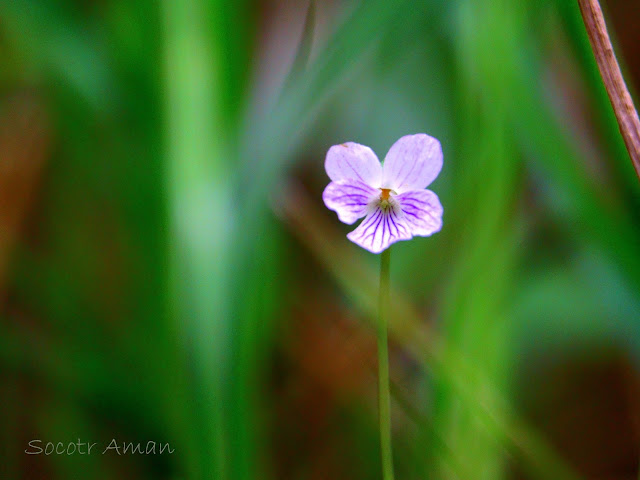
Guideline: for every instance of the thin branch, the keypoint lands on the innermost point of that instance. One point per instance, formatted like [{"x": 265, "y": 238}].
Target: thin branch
[{"x": 612, "y": 77}]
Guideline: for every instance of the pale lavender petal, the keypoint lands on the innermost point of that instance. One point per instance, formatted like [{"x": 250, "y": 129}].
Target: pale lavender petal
[
  {"x": 352, "y": 161},
  {"x": 413, "y": 162},
  {"x": 349, "y": 200},
  {"x": 380, "y": 229},
  {"x": 422, "y": 211}
]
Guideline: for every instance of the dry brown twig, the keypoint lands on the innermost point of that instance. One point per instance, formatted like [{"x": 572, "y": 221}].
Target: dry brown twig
[{"x": 617, "y": 90}]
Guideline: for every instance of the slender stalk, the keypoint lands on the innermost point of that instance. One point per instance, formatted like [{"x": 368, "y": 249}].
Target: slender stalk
[
  {"x": 384, "y": 399},
  {"x": 617, "y": 90}
]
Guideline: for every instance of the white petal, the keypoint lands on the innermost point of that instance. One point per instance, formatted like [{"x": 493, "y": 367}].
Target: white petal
[
  {"x": 350, "y": 200},
  {"x": 413, "y": 162},
  {"x": 380, "y": 229},
  {"x": 355, "y": 162},
  {"x": 422, "y": 211}
]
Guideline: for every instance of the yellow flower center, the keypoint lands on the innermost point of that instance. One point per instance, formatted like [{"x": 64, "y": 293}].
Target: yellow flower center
[{"x": 385, "y": 198}]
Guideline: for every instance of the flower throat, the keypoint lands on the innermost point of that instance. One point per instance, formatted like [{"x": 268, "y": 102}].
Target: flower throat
[{"x": 385, "y": 198}]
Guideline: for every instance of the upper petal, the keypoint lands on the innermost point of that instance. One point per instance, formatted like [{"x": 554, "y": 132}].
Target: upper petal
[
  {"x": 422, "y": 211},
  {"x": 380, "y": 229},
  {"x": 352, "y": 161},
  {"x": 349, "y": 199},
  {"x": 413, "y": 162}
]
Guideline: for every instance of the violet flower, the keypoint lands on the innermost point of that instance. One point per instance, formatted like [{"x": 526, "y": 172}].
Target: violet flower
[{"x": 392, "y": 196}]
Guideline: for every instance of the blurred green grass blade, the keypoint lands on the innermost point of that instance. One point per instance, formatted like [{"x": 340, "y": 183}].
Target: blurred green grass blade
[
  {"x": 567, "y": 308},
  {"x": 200, "y": 215},
  {"x": 60, "y": 47},
  {"x": 475, "y": 310},
  {"x": 235, "y": 26},
  {"x": 303, "y": 51},
  {"x": 255, "y": 317},
  {"x": 426, "y": 431}
]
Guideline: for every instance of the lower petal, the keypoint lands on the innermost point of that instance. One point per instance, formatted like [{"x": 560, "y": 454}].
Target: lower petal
[
  {"x": 422, "y": 211},
  {"x": 380, "y": 229}
]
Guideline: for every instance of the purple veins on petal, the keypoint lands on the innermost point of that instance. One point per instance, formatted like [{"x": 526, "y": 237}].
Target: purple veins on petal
[
  {"x": 381, "y": 228},
  {"x": 413, "y": 162},
  {"x": 422, "y": 211},
  {"x": 352, "y": 161},
  {"x": 349, "y": 200}
]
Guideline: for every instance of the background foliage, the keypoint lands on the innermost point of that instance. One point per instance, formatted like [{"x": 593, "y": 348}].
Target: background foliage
[{"x": 168, "y": 271}]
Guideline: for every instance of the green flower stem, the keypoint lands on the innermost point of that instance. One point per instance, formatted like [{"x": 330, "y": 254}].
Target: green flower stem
[{"x": 384, "y": 400}]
